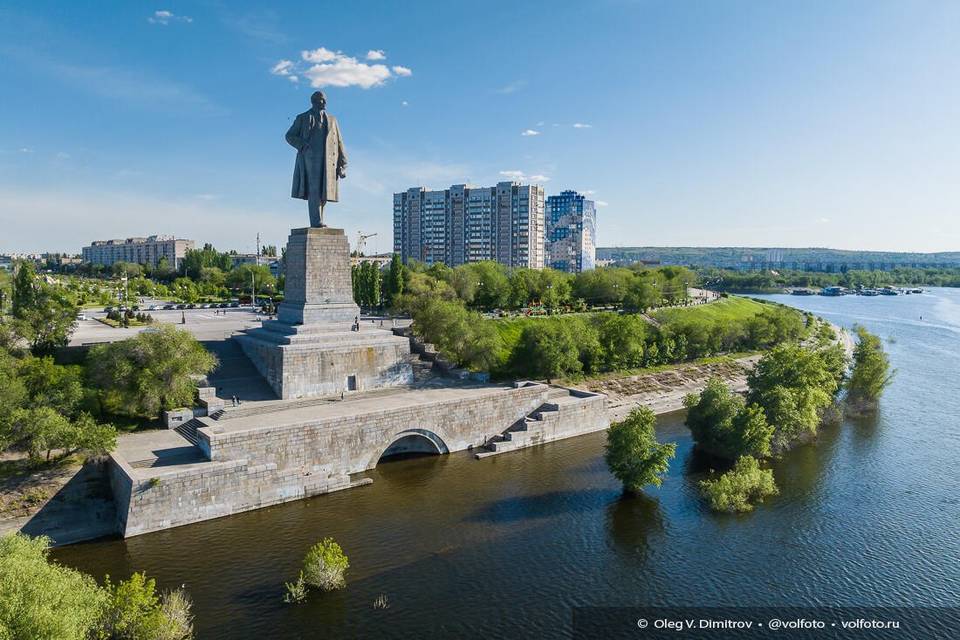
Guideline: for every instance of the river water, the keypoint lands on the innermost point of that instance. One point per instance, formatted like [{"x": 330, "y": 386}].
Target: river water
[{"x": 507, "y": 546}]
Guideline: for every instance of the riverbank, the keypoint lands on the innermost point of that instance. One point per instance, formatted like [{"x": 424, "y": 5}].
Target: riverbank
[{"x": 870, "y": 511}]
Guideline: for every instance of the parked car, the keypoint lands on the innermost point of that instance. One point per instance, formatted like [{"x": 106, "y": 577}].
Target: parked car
[
  {"x": 234, "y": 305},
  {"x": 181, "y": 306},
  {"x": 81, "y": 316},
  {"x": 224, "y": 305},
  {"x": 169, "y": 306}
]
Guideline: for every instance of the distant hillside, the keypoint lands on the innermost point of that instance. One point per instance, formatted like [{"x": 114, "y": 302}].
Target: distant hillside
[{"x": 764, "y": 257}]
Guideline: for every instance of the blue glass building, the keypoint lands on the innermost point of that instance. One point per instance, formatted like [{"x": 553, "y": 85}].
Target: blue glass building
[{"x": 571, "y": 232}]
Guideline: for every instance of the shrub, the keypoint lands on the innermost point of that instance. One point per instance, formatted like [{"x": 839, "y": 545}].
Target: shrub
[
  {"x": 150, "y": 372},
  {"x": 548, "y": 349},
  {"x": 723, "y": 425},
  {"x": 739, "y": 489},
  {"x": 42, "y": 599},
  {"x": 871, "y": 372},
  {"x": 325, "y": 565},
  {"x": 633, "y": 454},
  {"x": 135, "y": 611},
  {"x": 296, "y": 591}
]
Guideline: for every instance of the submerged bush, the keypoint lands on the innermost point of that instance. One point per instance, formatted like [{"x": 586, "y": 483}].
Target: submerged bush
[
  {"x": 135, "y": 611},
  {"x": 296, "y": 591},
  {"x": 871, "y": 372},
  {"x": 325, "y": 565},
  {"x": 633, "y": 454},
  {"x": 739, "y": 489}
]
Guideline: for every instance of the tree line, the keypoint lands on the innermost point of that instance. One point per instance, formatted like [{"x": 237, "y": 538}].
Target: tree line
[
  {"x": 792, "y": 391},
  {"x": 591, "y": 343},
  {"x": 52, "y": 411},
  {"x": 773, "y": 281}
]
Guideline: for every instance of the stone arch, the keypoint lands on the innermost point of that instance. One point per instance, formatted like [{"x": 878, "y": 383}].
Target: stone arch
[{"x": 411, "y": 441}]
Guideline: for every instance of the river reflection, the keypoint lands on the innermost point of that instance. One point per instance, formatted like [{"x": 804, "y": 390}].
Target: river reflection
[{"x": 506, "y": 546}]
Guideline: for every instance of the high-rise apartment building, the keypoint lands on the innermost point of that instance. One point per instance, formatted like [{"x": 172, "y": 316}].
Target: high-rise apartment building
[
  {"x": 571, "y": 232},
  {"x": 464, "y": 223},
  {"x": 138, "y": 250}
]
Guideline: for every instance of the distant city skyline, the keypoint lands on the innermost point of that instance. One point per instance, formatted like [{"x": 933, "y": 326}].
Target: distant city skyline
[{"x": 725, "y": 124}]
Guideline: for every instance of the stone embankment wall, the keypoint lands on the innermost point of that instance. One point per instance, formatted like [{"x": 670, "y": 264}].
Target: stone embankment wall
[{"x": 264, "y": 464}]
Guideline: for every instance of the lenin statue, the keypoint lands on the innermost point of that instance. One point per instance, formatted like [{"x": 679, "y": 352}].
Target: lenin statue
[{"x": 321, "y": 159}]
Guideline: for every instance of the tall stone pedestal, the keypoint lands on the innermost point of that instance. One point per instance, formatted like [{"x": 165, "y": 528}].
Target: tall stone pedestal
[
  {"x": 312, "y": 349},
  {"x": 317, "y": 287}
]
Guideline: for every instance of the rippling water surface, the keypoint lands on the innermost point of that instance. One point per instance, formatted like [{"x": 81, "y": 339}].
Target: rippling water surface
[{"x": 504, "y": 547}]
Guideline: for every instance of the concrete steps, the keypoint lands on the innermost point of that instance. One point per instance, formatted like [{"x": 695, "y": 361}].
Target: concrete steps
[
  {"x": 236, "y": 375},
  {"x": 526, "y": 432},
  {"x": 189, "y": 430}
]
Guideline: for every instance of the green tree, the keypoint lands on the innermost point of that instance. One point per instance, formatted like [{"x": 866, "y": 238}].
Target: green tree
[
  {"x": 739, "y": 489},
  {"x": 395, "y": 279},
  {"x": 136, "y": 611},
  {"x": 41, "y": 430},
  {"x": 325, "y": 566},
  {"x": 641, "y": 296},
  {"x": 633, "y": 454},
  {"x": 605, "y": 285},
  {"x": 870, "y": 374},
  {"x": 129, "y": 269},
  {"x": 622, "y": 339},
  {"x": 793, "y": 385},
  {"x": 43, "y": 600},
  {"x": 723, "y": 425},
  {"x": 151, "y": 372},
  {"x": 51, "y": 385},
  {"x": 246, "y": 276},
  {"x": 43, "y": 313},
  {"x": 548, "y": 350},
  {"x": 554, "y": 288}
]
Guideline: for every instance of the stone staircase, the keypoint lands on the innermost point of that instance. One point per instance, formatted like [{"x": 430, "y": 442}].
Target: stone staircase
[
  {"x": 528, "y": 431},
  {"x": 189, "y": 430},
  {"x": 236, "y": 375}
]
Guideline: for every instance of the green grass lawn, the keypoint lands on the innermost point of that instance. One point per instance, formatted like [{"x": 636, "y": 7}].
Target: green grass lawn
[{"x": 730, "y": 309}]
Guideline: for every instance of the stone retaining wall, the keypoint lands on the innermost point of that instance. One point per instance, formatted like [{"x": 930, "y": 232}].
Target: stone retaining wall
[{"x": 267, "y": 465}]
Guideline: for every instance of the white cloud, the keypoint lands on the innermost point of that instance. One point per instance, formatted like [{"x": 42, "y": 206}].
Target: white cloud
[
  {"x": 282, "y": 68},
  {"x": 530, "y": 132},
  {"x": 25, "y": 150},
  {"x": 823, "y": 220},
  {"x": 404, "y": 103},
  {"x": 62, "y": 155},
  {"x": 602, "y": 203},
  {"x": 588, "y": 192},
  {"x": 513, "y": 87},
  {"x": 285, "y": 68},
  {"x": 164, "y": 17},
  {"x": 581, "y": 125},
  {"x": 346, "y": 72},
  {"x": 319, "y": 54},
  {"x": 520, "y": 176},
  {"x": 326, "y": 68},
  {"x": 541, "y": 123}
]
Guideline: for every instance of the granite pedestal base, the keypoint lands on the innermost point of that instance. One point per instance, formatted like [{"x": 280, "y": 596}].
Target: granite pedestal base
[{"x": 300, "y": 361}]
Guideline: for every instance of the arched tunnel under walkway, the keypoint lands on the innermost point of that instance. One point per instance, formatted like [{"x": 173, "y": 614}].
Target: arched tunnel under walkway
[{"x": 414, "y": 441}]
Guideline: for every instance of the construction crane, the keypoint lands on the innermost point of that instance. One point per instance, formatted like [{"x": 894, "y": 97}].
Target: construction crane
[{"x": 362, "y": 240}]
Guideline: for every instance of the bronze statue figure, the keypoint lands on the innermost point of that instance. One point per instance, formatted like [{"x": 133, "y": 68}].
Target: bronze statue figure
[{"x": 321, "y": 159}]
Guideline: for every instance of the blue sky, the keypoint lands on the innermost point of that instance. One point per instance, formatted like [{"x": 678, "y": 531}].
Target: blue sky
[{"x": 761, "y": 123}]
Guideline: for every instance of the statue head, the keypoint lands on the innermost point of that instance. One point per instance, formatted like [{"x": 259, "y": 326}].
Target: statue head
[{"x": 319, "y": 100}]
